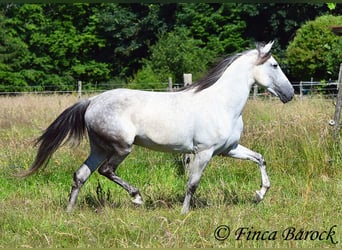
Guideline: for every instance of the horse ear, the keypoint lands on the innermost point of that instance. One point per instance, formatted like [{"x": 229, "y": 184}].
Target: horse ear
[
  {"x": 264, "y": 52},
  {"x": 266, "y": 49}
]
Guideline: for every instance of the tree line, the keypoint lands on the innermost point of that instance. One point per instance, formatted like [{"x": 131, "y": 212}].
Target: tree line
[{"x": 139, "y": 45}]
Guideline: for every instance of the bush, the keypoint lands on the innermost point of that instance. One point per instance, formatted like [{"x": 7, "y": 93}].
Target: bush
[
  {"x": 146, "y": 78},
  {"x": 177, "y": 53},
  {"x": 316, "y": 51}
]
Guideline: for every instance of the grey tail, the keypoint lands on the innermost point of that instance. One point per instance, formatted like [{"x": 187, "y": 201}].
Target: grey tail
[{"x": 69, "y": 124}]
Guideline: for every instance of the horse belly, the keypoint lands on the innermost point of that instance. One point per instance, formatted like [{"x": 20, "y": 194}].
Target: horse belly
[
  {"x": 164, "y": 134},
  {"x": 164, "y": 147}
]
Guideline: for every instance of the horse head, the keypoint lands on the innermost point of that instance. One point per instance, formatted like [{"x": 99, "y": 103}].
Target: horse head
[{"x": 268, "y": 74}]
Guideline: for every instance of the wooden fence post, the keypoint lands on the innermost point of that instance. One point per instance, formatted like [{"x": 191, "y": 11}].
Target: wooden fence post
[
  {"x": 255, "y": 91},
  {"x": 338, "y": 106},
  {"x": 170, "y": 84},
  {"x": 79, "y": 91},
  {"x": 187, "y": 79},
  {"x": 300, "y": 90}
]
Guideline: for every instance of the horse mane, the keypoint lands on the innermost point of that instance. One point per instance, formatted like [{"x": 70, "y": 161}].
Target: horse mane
[
  {"x": 213, "y": 75},
  {"x": 216, "y": 72}
]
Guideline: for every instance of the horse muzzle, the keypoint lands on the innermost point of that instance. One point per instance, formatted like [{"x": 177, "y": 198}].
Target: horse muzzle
[{"x": 285, "y": 94}]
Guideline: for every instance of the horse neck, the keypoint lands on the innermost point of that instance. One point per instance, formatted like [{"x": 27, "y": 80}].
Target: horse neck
[{"x": 234, "y": 85}]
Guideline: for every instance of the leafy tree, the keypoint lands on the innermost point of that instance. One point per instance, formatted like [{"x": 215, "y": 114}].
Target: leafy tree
[
  {"x": 177, "y": 53},
  {"x": 13, "y": 56},
  {"x": 129, "y": 31},
  {"x": 279, "y": 21},
  {"x": 146, "y": 78},
  {"x": 218, "y": 26},
  {"x": 316, "y": 51},
  {"x": 51, "y": 46},
  {"x": 56, "y": 45},
  {"x": 71, "y": 42}
]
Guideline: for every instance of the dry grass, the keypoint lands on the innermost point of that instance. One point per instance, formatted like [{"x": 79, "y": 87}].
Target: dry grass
[{"x": 31, "y": 110}]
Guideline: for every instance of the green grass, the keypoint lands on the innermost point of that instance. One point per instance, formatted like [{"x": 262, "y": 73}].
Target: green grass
[{"x": 304, "y": 166}]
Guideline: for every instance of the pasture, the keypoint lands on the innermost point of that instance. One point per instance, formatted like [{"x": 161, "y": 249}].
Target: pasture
[{"x": 303, "y": 163}]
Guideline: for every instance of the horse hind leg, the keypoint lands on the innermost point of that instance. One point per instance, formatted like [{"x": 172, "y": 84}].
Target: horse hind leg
[
  {"x": 108, "y": 170},
  {"x": 94, "y": 160}
]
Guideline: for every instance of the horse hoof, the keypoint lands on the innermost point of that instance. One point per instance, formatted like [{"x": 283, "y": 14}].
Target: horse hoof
[
  {"x": 258, "y": 197},
  {"x": 185, "y": 210},
  {"x": 138, "y": 200},
  {"x": 69, "y": 209}
]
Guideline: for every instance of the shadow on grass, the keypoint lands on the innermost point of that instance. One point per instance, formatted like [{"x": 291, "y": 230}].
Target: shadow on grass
[{"x": 103, "y": 198}]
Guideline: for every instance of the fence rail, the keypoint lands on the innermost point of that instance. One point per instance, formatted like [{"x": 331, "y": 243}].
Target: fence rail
[{"x": 302, "y": 89}]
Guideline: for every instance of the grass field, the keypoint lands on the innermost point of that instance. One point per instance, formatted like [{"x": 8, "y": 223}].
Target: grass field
[{"x": 300, "y": 210}]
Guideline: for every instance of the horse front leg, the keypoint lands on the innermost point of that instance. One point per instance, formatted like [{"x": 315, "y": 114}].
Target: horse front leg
[
  {"x": 241, "y": 152},
  {"x": 197, "y": 167}
]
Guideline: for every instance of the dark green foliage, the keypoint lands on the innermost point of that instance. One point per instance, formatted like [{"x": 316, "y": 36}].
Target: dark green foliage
[
  {"x": 316, "y": 51},
  {"x": 177, "y": 53},
  {"x": 146, "y": 78},
  {"x": 52, "y": 46},
  {"x": 48, "y": 51},
  {"x": 218, "y": 26},
  {"x": 128, "y": 30}
]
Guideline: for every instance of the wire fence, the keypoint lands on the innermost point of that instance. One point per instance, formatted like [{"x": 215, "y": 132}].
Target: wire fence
[{"x": 302, "y": 89}]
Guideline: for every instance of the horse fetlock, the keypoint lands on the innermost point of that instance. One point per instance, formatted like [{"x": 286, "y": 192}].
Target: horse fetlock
[{"x": 260, "y": 194}]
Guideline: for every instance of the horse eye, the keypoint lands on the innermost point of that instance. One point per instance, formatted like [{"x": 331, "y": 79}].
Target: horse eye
[{"x": 274, "y": 65}]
